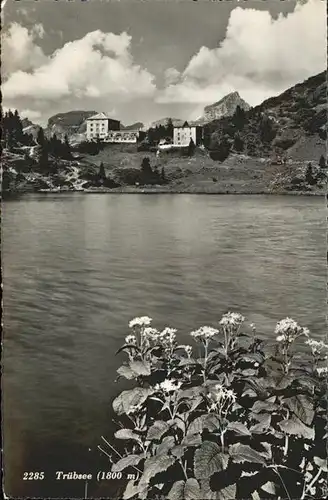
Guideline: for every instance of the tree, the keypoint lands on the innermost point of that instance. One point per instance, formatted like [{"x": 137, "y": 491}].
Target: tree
[
  {"x": 191, "y": 147},
  {"x": 163, "y": 178},
  {"x": 40, "y": 137},
  {"x": 102, "y": 173},
  {"x": 238, "y": 143},
  {"x": 169, "y": 128},
  {"x": 239, "y": 118},
  {"x": 322, "y": 162},
  {"x": 145, "y": 166},
  {"x": 267, "y": 130},
  {"x": 309, "y": 177},
  {"x": 67, "y": 153}
]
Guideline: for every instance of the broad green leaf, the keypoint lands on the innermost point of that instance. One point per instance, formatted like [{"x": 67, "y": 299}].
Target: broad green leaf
[
  {"x": 302, "y": 406},
  {"x": 157, "y": 430},
  {"x": 192, "y": 392},
  {"x": 249, "y": 372},
  {"x": 249, "y": 392},
  {"x": 196, "y": 425},
  {"x": 140, "y": 367},
  {"x": 187, "y": 361},
  {"x": 131, "y": 490},
  {"x": 295, "y": 427},
  {"x": 209, "y": 459},
  {"x": 192, "y": 440},
  {"x": 125, "y": 371},
  {"x": 253, "y": 357},
  {"x": 269, "y": 487},
  {"x": 127, "y": 434},
  {"x": 132, "y": 398},
  {"x": 239, "y": 428},
  {"x": 153, "y": 466},
  {"x": 192, "y": 490},
  {"x": 196, "y": 402},
  {"x": 228, "y": 493},
  {"x": 177, "y": 491},
  {"x": 268, "y": 452},
  {"x": 128, "y": 346},
  {"x": 179, "y": 450},
  {"x": 166, "y": 445},
  {"x": 264, "y": 423},
  {"x": 266, "y": 405},
  {"x": 243, "y": 453},
  {"x": 125, "y": 462},
  {"x": 181, "y": 490},
  {"x": 206, "y": 493}
]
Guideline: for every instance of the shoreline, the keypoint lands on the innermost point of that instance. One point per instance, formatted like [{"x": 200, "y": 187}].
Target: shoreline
[{"x": 150, "y": 191}]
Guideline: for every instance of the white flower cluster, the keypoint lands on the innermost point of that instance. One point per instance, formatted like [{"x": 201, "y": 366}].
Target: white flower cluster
[
  {"x": 221, "y": 397},
  {"x": 322, "y": 371},
  {"x": 187, "y": 348},
  {"x": 131, "y": 339},
  {"x": 142, "y": 321},
  {"x": 204, "y": 333},
  {"x": 168, "y": 385},
  {"x": 232, "y": 319},
  {"x": 316, "y": 346},
  {"x": 287, "y": 330}
]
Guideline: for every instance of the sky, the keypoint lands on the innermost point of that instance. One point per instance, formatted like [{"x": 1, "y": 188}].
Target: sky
[{"x": 144, "y": 60}]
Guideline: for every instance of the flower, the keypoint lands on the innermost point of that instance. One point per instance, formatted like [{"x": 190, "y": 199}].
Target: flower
[
  {"x": 131, "y": 339},
  {"x": 316, "y": 345},
  {"x": 287, "y": 330},
  {"x": 232, "y": 319},
  {"x": 280, "y": 338},
  {"x": 141, "y": 321},
  {"x": 151, "y": 333},
  {"x": 168, "y": 334},
  {"x": 168, "y": 385},
  {"x": 187, "y": 348},
  {"x": 204, "y": 332},
  {"x": 322, "y": 371}
]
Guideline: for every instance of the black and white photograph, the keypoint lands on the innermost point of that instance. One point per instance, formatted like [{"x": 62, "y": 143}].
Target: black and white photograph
[{"x": 164, "y": 249}]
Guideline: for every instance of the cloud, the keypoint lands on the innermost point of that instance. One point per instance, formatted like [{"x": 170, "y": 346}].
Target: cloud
[
  {"x": 19, "y": 50},
  {"x": 259, "y": 57},
  {"x": 97, "y": 65}
]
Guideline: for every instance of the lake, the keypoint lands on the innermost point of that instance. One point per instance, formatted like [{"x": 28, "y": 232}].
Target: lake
[{"x": 77, "y": 268}]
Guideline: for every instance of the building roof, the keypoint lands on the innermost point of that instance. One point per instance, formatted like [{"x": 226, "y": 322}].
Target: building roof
[
  {"x": 188, "y": 125},
  {"x": 102, "y": 116}
]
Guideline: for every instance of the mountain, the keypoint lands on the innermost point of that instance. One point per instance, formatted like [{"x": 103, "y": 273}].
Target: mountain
[
  {"x": 225, "y": 107},
  {"x": 134, "y": 126},
  {"x": 164, "y": 121},
  {"x": 292, "y": 124},
  {"x": 70, "y": 123},
  {"x": 30, "y": 127}
]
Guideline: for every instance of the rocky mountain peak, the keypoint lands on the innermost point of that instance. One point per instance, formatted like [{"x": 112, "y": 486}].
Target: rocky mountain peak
[{"x": 224, "y": 107}]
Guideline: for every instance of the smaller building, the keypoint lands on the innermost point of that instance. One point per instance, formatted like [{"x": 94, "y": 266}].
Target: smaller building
[
  {"x": 124, "y": 136},
  {"x": 184, "y": 133},
  {"x": 99, "y": 125}
]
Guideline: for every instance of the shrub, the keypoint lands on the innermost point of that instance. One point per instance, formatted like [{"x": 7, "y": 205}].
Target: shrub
[{"x": 230, "y": 417}]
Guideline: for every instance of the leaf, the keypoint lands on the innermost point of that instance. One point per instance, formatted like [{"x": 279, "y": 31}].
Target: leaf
[
  {"x": 269, "y": 487},
  {"x": 192, "y": 489},
  {"x": 263, "y": 425},
  {"x": 253, "y": 357},
  {"x": 192, "y": 392},
  {"x": 196, "y": 402},
  {"x": 131, "y": 490},
  {"x": 181, "y": 490},
  {"x": 268, "y": 452},
  {"x": 187, "y": 361},
  {"x": 134, "y": 397},
  {"x": 241, "y": 453},
  {"x": 239, "y": 428},
  {"x": 166, "y": 445},
  {"x": 209, "y": 459},
  {"x": 206, "y": 492},
  {"x": 255, "y": 496},
  {"x": 196, "y": 425},
  {"x": 302, "y": 406},
  {"x": 177, "y": 491},
  {"x": 125, "y": 462},
  {"x": 210, "y": 422},
  {"x": 249, "y": 392},
  {"x": 153, "y": 466},
  {"x": 140, "y": 367},
  {"x": 178, "y": 450},
  {"x": 249, "y": 372},
  {"x": 322, "y": 464},
  {"x": 125, "y": 371},
  {"x": 295, "y": 427},
  {"x": 127, "y": 346},
  {"x": 192, "y": 440},
  {"x": 127, "y": 434},
  {"x": 266, "y": 405},
  {"x": 157, "y": 430},
  {"x": 228, "y": 493}
]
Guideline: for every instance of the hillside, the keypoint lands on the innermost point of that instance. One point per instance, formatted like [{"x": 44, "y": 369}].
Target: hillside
[
  {"x": 291, "y": 125},
  {"x": 225, "y": 107},
  {"x": 70, "y": 123}
]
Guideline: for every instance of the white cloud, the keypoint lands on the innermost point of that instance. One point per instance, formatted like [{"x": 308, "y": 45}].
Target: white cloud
[
  {"x": 259, "y": 57},
  {"x": 19, "y": 51},
  {"x": 97, "y": 65}
]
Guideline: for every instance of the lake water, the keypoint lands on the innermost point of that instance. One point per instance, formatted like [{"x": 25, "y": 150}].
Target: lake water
[{"x": 77, "y": 268}]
